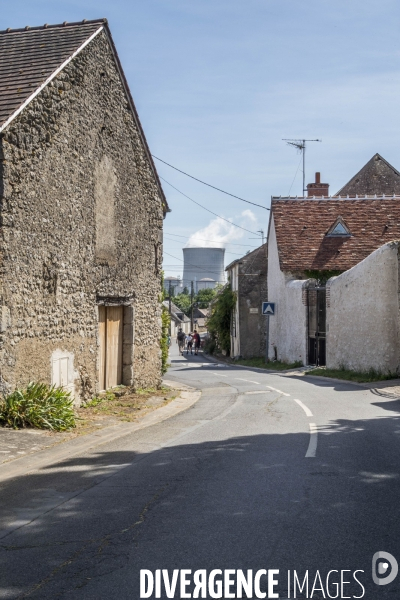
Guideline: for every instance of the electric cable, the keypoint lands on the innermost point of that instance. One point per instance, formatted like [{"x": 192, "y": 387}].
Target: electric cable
[
  {"x": 207, "y": 240},
  {"x": 207, "y": 209},
  {"x": 209, "y": 184}
]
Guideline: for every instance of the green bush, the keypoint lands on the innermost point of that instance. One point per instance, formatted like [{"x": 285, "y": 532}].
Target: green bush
[
  {"x": 38, "y": 405},
  {"x": 219, "y": 321}
]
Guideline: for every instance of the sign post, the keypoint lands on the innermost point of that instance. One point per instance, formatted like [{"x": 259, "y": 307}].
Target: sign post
[{"x": 268, "y": 309}]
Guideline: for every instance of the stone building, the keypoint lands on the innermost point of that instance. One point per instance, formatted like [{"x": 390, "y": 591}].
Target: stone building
[
  {"x": 333, "y": 273},
  {"x": 248, "y": 278},
  {"x": 81, "y": 216}
]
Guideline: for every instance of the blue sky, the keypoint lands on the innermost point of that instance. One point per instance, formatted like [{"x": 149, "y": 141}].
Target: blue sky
[{"x": 219, "y": 83}]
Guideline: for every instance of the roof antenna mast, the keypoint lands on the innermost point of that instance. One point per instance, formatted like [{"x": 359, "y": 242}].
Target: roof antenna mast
[{"x": 300, "y": 145}]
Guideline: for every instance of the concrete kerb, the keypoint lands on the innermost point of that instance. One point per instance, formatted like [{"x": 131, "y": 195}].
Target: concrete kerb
[{"x": 65, "y": 450}]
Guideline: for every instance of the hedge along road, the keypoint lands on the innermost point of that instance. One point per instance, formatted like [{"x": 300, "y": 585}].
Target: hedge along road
[{"x": 223, "y": 485}]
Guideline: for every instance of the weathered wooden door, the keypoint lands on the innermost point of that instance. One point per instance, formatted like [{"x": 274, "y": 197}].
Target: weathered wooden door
[{"x": 110, "y": 351}]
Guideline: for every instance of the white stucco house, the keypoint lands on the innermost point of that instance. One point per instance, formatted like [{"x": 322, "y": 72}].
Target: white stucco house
[{"x": 333, "y": 273}]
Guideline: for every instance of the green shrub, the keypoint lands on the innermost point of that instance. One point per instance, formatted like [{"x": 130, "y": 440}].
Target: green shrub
[
  {"x": 219, "y": 321},
  {"x": 38, "y": 405}
]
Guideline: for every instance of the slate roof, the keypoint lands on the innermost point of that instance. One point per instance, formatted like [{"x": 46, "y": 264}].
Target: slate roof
[
  {"x": 301, "y": 226},
  {"x": 376, "y": 177},
  {"x": 32, "y": 56},
  {"x": 29, "y": 56}
]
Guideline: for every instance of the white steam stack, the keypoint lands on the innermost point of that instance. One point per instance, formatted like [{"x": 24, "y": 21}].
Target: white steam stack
[{"x": 203, "y": 266}]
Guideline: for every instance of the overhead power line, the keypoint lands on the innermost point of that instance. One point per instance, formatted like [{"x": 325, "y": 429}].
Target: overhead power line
[
  {"x": 186, "y": 237},
  {"x": 209, "y": 184},
  {"x": 207, "y": 209}
]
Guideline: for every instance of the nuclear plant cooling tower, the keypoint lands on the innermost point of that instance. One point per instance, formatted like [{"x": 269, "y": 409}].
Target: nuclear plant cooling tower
[{"x": 203, "y": 266}]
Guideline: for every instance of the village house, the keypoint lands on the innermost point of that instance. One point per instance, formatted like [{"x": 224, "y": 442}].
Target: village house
[
  {"x": 248, "y": 279},
  {"x": 178, "y": 319},
  {"x": 81, "y": 216},
  {"x": 333, "y": 272},
  {"x": 200, "y": 316}
]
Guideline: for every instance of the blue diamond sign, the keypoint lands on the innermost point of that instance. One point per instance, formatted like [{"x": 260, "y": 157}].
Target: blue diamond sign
[{"x": 268, "y": 308}]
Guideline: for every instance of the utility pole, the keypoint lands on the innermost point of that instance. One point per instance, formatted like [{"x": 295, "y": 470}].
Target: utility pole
[
  {"x": 301, "y": 146},
  {"x": 169, "y": 302},
  {"x": 191, "y": 304}
]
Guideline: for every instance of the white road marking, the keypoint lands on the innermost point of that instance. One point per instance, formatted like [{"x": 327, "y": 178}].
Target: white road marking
[
  {"x": 259, "y": 392},
  {"x": 275, "y": 390},
  {"x": 312, "y": 446},
  {"x": 219, "y": 375},
  {"x": 305, "y": 408},
  {"x": 249, "y": 380}
]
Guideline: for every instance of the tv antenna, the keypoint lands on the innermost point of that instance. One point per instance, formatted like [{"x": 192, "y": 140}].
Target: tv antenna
[{"x": 301, "y": 146}]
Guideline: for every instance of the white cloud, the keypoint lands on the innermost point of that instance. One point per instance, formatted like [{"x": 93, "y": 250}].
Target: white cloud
[{"x": 218, "y": 232}]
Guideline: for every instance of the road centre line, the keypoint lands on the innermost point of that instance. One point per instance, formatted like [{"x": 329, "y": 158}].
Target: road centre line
[
  {"x": 259, "y": 392},
  {"x": 275, "y": 390},
  {"x": 312, "y": 446},
  {"x": 249, "y": 380},
  {"x": 305, "y": 408},
  {"x": 219, "y": 375}
]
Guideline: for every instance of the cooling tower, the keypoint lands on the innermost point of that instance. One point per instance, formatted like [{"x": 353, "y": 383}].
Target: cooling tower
[{"x": 203, "y": 264}]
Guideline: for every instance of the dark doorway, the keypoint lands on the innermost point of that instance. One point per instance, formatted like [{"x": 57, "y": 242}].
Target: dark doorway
[{"x": 317, "y": 326}]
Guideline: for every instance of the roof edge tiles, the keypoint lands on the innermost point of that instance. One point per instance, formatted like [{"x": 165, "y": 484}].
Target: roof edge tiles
[
  {"x": 55, "y": 26},
  {"x": 335, "y": 198},
  {"x": 49, "y": 79}
]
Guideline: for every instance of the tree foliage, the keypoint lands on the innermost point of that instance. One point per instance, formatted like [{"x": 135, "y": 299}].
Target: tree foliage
[
  {"x": 202, "y": 299},
  {"x": 182, "y": 301},
  {"x": 219, "y": 321}
]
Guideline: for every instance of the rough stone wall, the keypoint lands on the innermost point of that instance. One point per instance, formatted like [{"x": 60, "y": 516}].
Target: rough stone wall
[
  {"x": 252, "y": 292},
  {"x": 363, "y": 314},
  {"x": 81, "y": 222}
]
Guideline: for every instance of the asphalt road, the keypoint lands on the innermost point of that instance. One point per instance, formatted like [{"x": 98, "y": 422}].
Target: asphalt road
[{"x": 264, "y": 472}]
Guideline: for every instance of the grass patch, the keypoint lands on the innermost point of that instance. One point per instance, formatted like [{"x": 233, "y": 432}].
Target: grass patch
[
  {"x": 260, "y": 363},
  {"x": 348, "y": 375},
  {"x": 38, "y": 405}
]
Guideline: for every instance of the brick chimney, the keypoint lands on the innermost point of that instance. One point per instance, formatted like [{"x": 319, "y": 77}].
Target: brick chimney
[{"x": 318, "y": 188}]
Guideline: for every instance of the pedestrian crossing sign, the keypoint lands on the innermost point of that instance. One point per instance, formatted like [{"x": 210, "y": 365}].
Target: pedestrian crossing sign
[{"x": 268, "y": 308}]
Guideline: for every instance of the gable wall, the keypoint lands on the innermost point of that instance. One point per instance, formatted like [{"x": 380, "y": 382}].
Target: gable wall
[
  {"x": 252, "y": 291},
  {"x": 288, "y": 327},
  {"x": 81, "y": 218},
  {"x": 363, "y": 314}
]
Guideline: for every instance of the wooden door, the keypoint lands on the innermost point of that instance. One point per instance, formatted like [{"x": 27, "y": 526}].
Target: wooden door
[
  {"x": 102, "y": 348},
  {"x": 110, "y": 352}
]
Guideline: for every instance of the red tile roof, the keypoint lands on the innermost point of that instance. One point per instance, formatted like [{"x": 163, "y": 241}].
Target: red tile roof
[{"x": 301, "y": 226}]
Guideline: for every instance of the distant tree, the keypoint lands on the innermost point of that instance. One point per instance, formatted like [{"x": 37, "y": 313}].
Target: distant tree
[
  {"x": 185, "y": 291},
  {"x": 182, "y": 301},
  {"x": 204, "y": 297}
]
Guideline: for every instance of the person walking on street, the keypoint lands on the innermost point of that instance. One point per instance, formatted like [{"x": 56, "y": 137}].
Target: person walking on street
[
  {"x": 189, "y": 344},
  {"x": 180, "y": 340},
  {"x": 196, "y": 339}
]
